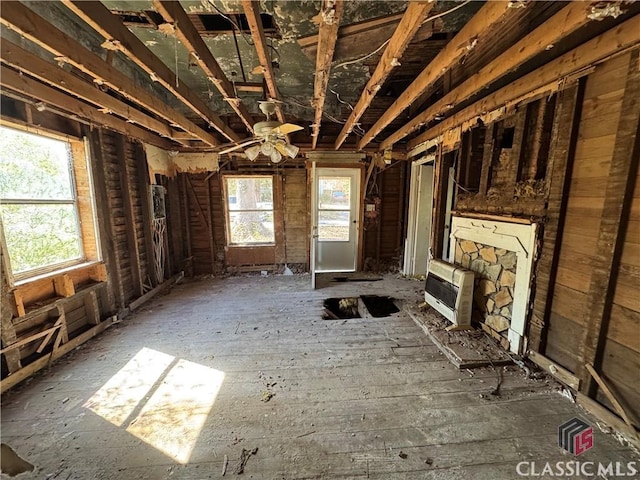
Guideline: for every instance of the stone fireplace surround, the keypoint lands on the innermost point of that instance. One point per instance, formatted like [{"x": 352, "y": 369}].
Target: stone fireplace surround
[{"x": 514, "y": 237}]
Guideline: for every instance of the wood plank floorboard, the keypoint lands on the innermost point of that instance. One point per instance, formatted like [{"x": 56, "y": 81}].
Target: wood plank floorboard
[{"x": 365, "y": 398}]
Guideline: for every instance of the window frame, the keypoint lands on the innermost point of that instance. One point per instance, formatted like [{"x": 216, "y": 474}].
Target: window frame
[
  {"x": 84, "y": 208},
  {"x": 228, "y": 211}
]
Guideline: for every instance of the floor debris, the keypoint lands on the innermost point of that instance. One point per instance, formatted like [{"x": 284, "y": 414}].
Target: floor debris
[{"x": 244, "y": 458}]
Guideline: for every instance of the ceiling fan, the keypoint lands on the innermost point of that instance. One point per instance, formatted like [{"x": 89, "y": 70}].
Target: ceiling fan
[{"x": 269, "y": 137}]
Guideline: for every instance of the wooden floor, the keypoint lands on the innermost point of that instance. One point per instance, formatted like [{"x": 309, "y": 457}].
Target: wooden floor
[{"x": 177, "y": 387}]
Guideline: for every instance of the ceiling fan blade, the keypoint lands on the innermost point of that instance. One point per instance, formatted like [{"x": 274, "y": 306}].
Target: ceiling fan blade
[
  {"x": 287, "y": 128},
  {"x": 281, "y": 149},
  {"x": 239, "y": 146}
]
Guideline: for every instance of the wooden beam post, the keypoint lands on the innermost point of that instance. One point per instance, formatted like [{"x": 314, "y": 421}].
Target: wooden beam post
[
  {"x": 252, "y": 12},
  {"x": 119, "y": 37},
  {"x": 563, "y": 142},
  {"x": 173, "y": 13},
  {"x": 411, "y": 21},
  {"x": 475, "y": 30},
  {"x": 617, "y": 204},
  {"x": 544, "y": 80},
  {"x": 31, "y": 26},
  {"x": 330, "y": 15},
  {"x": 553, "y": 30}
]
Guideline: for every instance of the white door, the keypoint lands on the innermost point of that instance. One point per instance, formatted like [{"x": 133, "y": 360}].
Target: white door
[
  {"x": 419, "y": 227},
  {"x": 336, "y": 201}
]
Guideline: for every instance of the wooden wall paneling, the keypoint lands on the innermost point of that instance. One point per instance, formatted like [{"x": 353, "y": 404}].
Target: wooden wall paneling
[
  {"x": 577, "y": 243},
  {"x": 115, "y": 298},
  {"x": 187, "y": 222},
  {"x": 109, "y": 144},
  {"x": 139, "y": 203},
  {"x": 175, "y": 226},
  {"x": 618, "y": 195},
  {"x": 559, "y": 166},
  {"x": 130, "y": 218},
  {"x": 296, "y": 214},
  {"x": 200, "y": 230},
  {"x": 279, "y": 218},
  {"x": 212, "y": 241},
  {"x": 487, "y": 159},
  {"x": 145, "y": 210}
]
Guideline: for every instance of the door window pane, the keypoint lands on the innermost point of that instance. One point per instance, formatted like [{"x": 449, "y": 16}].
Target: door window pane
[
  {"x": 333, "y": 226},
  {"x": 334, "y": 193}
]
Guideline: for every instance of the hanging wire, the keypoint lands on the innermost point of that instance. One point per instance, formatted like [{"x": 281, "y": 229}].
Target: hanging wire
[
  {"x": 441, "y": 14},
  {"x": 175, "y": 48}
]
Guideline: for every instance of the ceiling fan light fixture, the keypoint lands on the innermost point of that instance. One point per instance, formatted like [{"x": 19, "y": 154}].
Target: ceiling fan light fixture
[
  {"x": 266, "y": 148},
  {"x": 252, "y": 152},
  {"x": 291, "y": 150},
  {"x": 276, "y": 156}
]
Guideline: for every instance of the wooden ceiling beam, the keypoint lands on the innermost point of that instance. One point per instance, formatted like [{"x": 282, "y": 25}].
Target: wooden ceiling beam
[
  {"x": 330, "y": 15},
  {"x": 31, "y": 26},
  {"x": 174, "y": 14},
  {"x": 544, "y": 80},
  {"x": 120, "y": 38},
  {"x": 563, "y": 23},
  {"x": 48, "y": 73},
  {"x": 31, "y": 88},
  {"x": 411, "y": 21},
  {"x": 252, "y": 13},
  {"x": 489, "y": 15}
]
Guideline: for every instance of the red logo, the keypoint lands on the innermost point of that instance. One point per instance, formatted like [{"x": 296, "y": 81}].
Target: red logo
[{"x": 575, "y": 436}]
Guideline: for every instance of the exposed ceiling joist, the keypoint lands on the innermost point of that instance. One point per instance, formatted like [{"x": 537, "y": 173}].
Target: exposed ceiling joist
[
  {"x": 34, "y": 28},
  {"x": 173, "y": 13},
  {"x": 563, "y": 23},
  {"x": 252, "y": 12},
  {"x": 543, "y": 80},
  {"x": 411, "y": 21},
  {"x": 30, "y": 88},
  {"x": 330, "y": 15},
  {"x": 119, "y": 37},
  {"x": 489, "y": 15},
  {"x": 25, "y": 61}
]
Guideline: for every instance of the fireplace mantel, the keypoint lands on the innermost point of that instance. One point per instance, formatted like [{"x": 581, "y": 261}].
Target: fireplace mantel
[{"x": 515, "y": 237}]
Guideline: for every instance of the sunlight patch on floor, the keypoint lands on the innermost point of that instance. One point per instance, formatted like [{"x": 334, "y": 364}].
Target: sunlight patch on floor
[
  {"x": 118, "y": 398},
  {"x": 171, "y": 400},
  {"x": 174, "y": 415}
]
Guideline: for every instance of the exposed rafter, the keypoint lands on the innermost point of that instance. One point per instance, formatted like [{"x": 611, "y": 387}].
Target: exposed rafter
[
  {"x": 489, "y": 15},
  {"x": 173, "y": 13},
  {"x": 543, "y": 80},
  {"x": 119, "y": 37},
  {"x": 27, "y": 62},
  {"x": 563, "y": 23},
  {"x": 411, "y": 21},
  {"x": 30, "y": 88},
  {"x": 252, "y": 12},
  {"x": 27, "y": 23},
  {"x": 330, "y": 15}
]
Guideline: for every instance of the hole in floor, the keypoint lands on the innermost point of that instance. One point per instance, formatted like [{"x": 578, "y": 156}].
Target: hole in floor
[
  {"x": 379, "y": 306},
  {"x": 341, "y": 308},
  {"x": 11, "y": 463},
  {"x": 355, "y": 307}
]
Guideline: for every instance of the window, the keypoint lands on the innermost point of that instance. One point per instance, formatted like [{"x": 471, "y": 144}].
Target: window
[
  {"x": 334, "y": 208},
  {"x": 250, "y": 209},
  {"x": 38, "y": 203}
]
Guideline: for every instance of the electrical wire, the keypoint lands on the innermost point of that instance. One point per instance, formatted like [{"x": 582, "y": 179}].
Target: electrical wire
[{"x": 441, "y": 14}]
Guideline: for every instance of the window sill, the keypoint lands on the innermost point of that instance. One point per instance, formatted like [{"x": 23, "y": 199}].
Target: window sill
[{"x": 58, "y": 272}]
